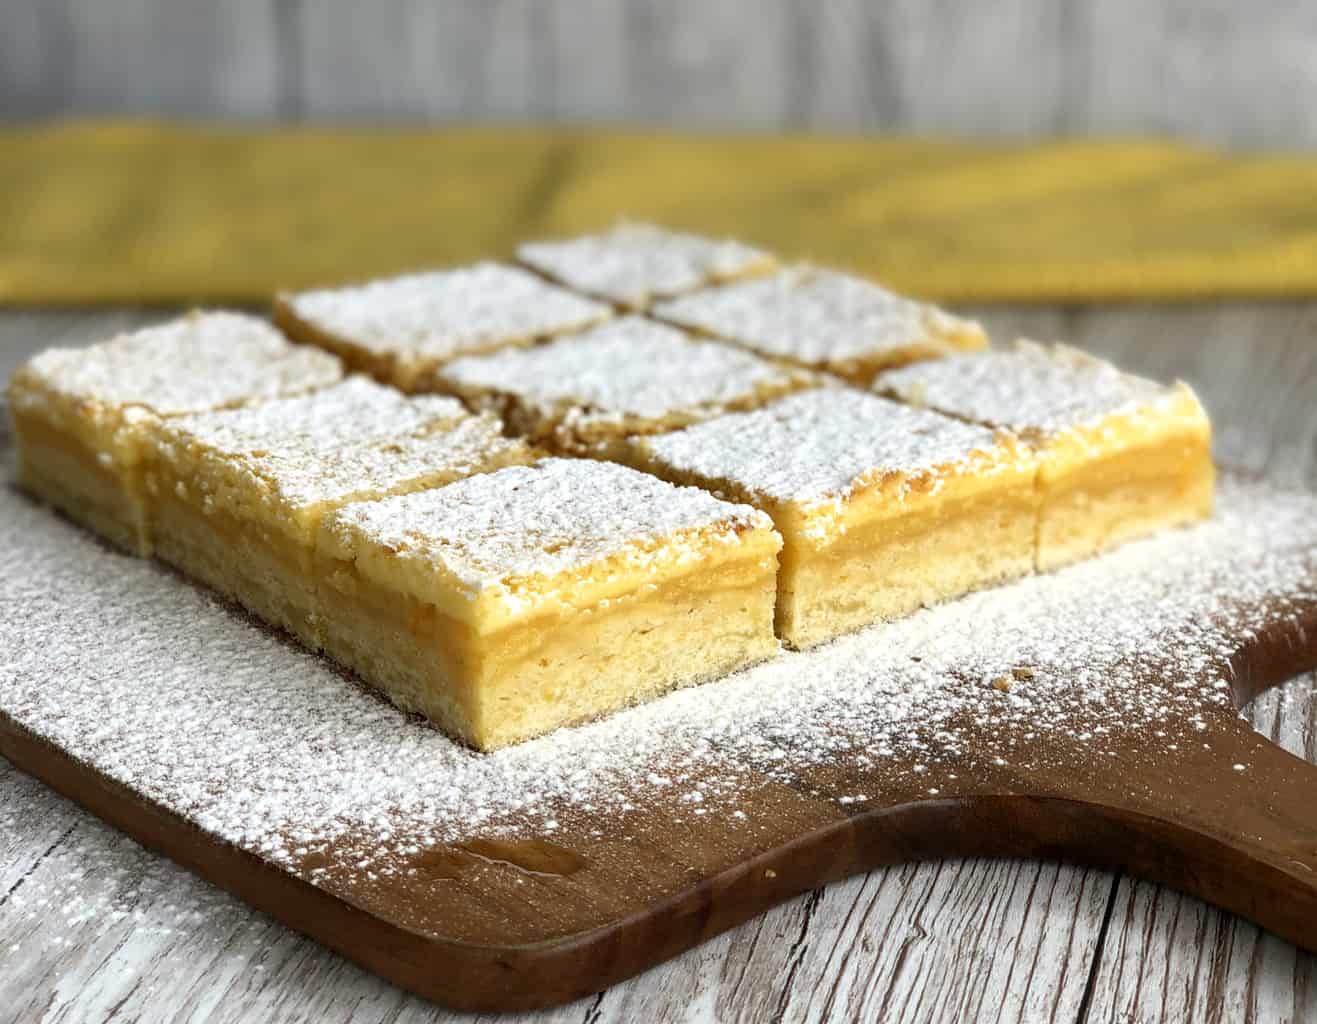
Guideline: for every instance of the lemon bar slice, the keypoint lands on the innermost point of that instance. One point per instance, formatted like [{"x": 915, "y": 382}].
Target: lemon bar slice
[
  {"x": 399, "y": 329},
  {"x": 585, "y": 394},
  {"x": 882, "y": 508},
  {"x": 1119, "y": 456},
  {"x": 506, "y": 605},
  {"x": 237, "y": 496},
  {"x": 81, "y": 416},
  {"x": 632, "y": 265},
  {"x": 824, "y": 320}
]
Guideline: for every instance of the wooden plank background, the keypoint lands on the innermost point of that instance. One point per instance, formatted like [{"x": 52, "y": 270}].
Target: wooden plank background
[
  {"x": 93, "y": 927},
  {"x": 1242, "y": 72}
]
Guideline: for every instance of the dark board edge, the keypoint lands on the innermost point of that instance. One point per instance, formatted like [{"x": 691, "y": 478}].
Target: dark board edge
[{"x": 484, "y": 977}]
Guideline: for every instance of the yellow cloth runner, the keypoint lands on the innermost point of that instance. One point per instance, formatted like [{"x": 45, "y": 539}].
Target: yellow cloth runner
[{"x": 142, "y": 211}]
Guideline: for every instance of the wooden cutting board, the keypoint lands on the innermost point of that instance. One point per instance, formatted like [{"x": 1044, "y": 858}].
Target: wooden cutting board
[{"x": 1088, "y": 716}]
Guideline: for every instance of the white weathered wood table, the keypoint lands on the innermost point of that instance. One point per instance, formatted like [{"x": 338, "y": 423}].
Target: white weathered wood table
[
  {"x": 1236, "y": 73},
  {"x": 93, "y": 927}
]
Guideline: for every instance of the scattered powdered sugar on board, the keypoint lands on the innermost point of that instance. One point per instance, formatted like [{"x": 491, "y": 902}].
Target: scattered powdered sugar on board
[
  {"x": 634, "y": 263},
  {"x": 155, "y": 684}
]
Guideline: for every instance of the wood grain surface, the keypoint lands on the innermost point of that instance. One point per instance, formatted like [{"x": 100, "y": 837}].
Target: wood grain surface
[
  {"x": 1223, "y": 71},
  {"x": 999, "y": 940}
]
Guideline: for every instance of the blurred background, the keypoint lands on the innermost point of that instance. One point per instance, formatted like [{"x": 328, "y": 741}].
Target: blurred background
[{"x": 1234, "y": 72}]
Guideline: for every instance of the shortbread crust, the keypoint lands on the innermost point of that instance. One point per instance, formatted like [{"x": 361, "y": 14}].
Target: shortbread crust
[
  {"x": 882, "y": 508},
  {"x": 824, "y": 320},
  {"x": 81, "y": 416},
  {"x": 506, "y": 605},
  {"x": 400, "y": 329},
  {"x": 585, "y": 394}
]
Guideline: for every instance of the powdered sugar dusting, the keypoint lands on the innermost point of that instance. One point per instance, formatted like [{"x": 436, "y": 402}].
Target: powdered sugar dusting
[
  {"x": 155, "y": 684},
  {"x": 353, "y": 441},
  {"x": 820, "y": 445},
  {"x": 442, "y": 314},
  {"x": 358, "y": 411},
  {"x": 539, "y": 521},
  {"x": 1029, "y": 388},
  {"x": 630, "y": 367},
  {"x": 196, "y": 362},
  {"x": 635, "y": 263},
  {"x": 449, "y": 450},
  {"x": 811, "y": 316}
]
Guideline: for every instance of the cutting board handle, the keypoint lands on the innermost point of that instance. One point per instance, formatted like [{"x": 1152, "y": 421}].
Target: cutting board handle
[
  {"x": 1226, "y": 816},
  {"x": 1235, "y": 825}
]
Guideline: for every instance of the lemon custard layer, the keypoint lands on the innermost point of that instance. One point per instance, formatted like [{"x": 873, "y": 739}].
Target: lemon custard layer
[
  {"x": 81, "y": 416},
  {"x": 585, "y": 394},
  {"x": 509, "y": 604},
  {"x": 1119, "y": 456},
  {"x": 634, "y": 264},
  {"x": 237, "y": 496},
  {"x": 400, "y": 329},
  {"x": 882, "y": 508},
  {"x": 824, "y": 320}
]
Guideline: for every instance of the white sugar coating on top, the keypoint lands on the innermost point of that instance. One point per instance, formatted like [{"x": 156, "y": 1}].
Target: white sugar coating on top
[
  {"x": 355, "y": 412},
  {"x": 1026, "y": 388},
  {"x": 632, "y": 366},
  {"x": 539, "y": 521},
  {"x": 819, "y": 445},
  {"x": 305, "y": 475},
  {"x": 633, "y": 263},
  {"x": 197, "y": 362},
  {"x": 806, "y": 314},
  {"x": 446, "y": 313},
  {"x": 158, "y": 686}
]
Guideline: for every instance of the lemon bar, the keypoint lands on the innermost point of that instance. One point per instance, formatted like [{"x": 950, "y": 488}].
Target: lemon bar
[
  {"x": 824, "y": 320},
  {"x": 882, "y": 508},
  {"x": 585, "y": 394},
  {"x": 236, "y": 496},
  {"x": 632, "y": 265},
  {"x": 399, "y": 329},
  {"x": 506, "y": 605},
  {"x": 1119, "y": 456},
  {"x": 81, "y": 416}
]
